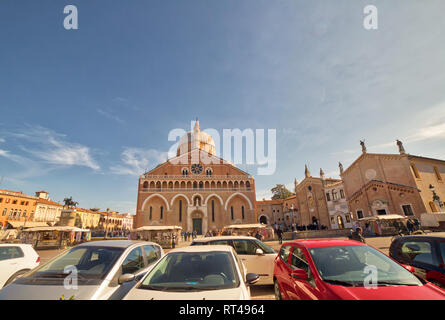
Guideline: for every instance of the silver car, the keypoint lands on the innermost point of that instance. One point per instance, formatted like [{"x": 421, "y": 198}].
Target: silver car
[{"x": 94, "y": 270}]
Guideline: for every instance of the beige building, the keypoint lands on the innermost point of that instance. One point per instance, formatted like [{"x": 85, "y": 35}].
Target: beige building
[
  {"x": 339, "y": 214},
  {"x": 47, "y": 210},
  {"x": 81, "y": 218},
  {"x": 196, "y": 190},
  {"x": 403, "y": 184}
]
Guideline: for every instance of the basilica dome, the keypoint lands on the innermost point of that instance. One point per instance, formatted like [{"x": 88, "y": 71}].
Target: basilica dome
[{"x": 196, "y": 139}]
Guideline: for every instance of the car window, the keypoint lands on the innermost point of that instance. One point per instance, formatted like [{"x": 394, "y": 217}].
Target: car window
[
  {"x": 298, "y": 260},
  {"x": 442, "y": 250},
  {"x": 284, "y": 253},
  {"x": 133, "y": 262},
  {"x": 193, "y": 271},
  {"x": 151, "y": 253},
  {"x": 199, "y": 243},
  {"x": 417, "y": 251},
  {"x": 246, "y": 247},
  {"x": 264, "y": 247},
  {"x": 90, "y": 262},
  {"x": 7, "y": 253},
  {"x": 220, "y": 242}
]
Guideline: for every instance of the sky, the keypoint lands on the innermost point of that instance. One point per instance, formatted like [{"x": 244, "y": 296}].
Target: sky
[{"x": 84, "y": 112}]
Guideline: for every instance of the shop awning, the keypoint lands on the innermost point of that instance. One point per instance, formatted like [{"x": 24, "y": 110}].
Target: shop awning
[
  {"x": 29, "y": 224},
  {"x": 56, "y": 228},
  {"x": 158, "y": 228},
  {"x": 384, "y": 217},
  {"x": 246, "y": 226}
]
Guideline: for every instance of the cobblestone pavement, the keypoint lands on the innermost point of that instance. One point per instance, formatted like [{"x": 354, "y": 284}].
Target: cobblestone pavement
[{"x": 262, "y": 292}]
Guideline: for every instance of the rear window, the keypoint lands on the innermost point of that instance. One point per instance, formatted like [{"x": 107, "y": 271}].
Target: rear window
[
  {"x": 417, "y": 251},
  {"x": 11, "y": 252}
]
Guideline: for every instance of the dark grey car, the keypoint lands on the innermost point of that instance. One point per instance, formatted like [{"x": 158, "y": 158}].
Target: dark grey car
[{"x": 94, "y": 270}]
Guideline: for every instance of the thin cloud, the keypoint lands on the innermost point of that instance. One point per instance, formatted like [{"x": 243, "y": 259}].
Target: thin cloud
[
  {"x": 137, "y": 161},
  {"x": 53, "y": 148},
  {"x": 110, "y": 115}
]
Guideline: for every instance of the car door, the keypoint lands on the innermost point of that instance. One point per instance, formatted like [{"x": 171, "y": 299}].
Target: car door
[
  {"x": 246, "y": 250},
  {"x": 283, "y": 269},
  {"x": 134, "y": 263},
  {"x": 11, "y": 261},
  {"x": 301, "y": 289},
  {"x": 421, "y": 254}
]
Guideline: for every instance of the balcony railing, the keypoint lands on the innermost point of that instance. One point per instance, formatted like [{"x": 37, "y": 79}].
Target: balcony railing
[
  {"x": 193, "y": 189},
  {"x": 196, "y": 177}
]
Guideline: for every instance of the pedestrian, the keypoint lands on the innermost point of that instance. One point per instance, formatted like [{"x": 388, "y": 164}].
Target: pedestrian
[
  {"x": 258, "y": 236},
  {"x": 173, "y": 240},
  {"x": 357, "y": 235},
  {"x": 280, "y": 235},
  {"x": 409, "y": 226}
]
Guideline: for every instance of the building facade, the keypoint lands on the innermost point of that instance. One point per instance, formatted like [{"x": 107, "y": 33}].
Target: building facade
[
  {"x": 16, "y": 206},
  {"x": 402, "y": 184},
  {"x": 47, "y": 210},
  {"x": 196, "y": 189}
]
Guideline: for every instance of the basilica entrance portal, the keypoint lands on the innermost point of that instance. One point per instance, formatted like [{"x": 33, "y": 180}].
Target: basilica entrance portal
[{"x": 197, "y": 225}]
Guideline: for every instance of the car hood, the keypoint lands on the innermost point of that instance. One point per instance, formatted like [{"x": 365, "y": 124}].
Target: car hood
[
  {"x": 425, "y": 292},
  {"x": 225, "y": 294},
  {"x": 46, "y": 292}
]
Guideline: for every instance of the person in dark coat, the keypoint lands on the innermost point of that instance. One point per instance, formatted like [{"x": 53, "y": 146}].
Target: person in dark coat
[{"x": 280, "y": 235}]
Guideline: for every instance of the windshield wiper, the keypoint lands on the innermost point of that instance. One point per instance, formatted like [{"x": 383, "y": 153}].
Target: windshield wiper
[
  {"x": 393, "y": 283},
  {"x": 158, "y": 288},
  {"x": 339, "y": 282}
]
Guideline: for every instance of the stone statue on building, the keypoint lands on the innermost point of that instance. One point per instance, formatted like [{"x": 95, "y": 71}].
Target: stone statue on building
[
  {"x": 401, "y": 148},
  {"x": 362, "y": 143},
  {"x": 340, "y": 166},
  {"x": 307, "y": 174}
]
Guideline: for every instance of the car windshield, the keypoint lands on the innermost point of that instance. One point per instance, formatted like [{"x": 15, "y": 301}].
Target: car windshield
[
  {"x": 360, "y": 266},
  {"x": 87, "y": 262},
  {"x": 193, "y": 271}
]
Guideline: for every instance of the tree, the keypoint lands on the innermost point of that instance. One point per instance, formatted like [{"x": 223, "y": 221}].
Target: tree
[
  {"x": 280, "y": 192},
  {"x": 95, "y": 209}
]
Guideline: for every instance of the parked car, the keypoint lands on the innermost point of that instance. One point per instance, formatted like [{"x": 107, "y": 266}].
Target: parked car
[
  {"x": 331, "y": 269},
  {"x": 15, "y": 261},
  {"x": 425, "y": 253},
  {"x": 256, "y": 256},
  {"x": 92, "y": 270},
  {"x": 198, "y": 272}
]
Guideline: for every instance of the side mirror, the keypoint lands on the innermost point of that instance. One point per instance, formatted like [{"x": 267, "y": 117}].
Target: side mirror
[
  {"x": 127, "y": 277},
  {"x": 409, "y": 268},
  {"x": 259, "y": 252},
  {"x": 299, "y": 274},
  {"x": 252, "y": 278}
]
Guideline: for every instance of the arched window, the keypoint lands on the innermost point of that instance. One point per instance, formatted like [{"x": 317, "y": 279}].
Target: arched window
[
  {"x": 213, "y": 210},
  {"x": 185, "y": 172},
  {"x": 195, "y": 185},
  {"x": 180, "y": 210},
  {"x": 231, "y": 212},
  {"x": 247, "y": 184},
  {"x": 145, "y": 185},
  {"x": 151, "y": 213},
  {"x": 162, "y": 212},
  {"x": 242, "y": 212},
  {"x": 201, "y": 185}
]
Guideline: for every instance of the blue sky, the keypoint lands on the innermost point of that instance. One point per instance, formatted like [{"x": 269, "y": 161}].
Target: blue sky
[{"x": 83, "y": 112}]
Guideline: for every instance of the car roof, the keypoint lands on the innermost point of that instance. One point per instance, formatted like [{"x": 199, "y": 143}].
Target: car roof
[
  {"x": 203, "y": 249},
  {"x": 15, "y": 245},
  {"x": 320, "y": 243},
  {"x": 115, "y": 243},
  {"x": 423, "y": 236},
  {"x": 206, "y": 239}
]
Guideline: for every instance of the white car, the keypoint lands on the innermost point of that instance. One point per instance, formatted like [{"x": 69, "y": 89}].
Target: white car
[
  {"x": 196, "y": 273},
  {"x": 16, "y": 260},
  {"x": 256, "y": 256},
  {"x": 96, "y": 270}
]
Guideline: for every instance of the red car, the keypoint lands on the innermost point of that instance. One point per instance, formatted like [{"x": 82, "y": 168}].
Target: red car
[{"x": 332, "y": 269}]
